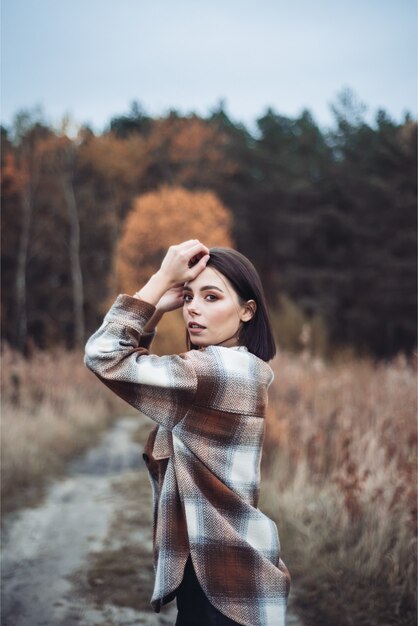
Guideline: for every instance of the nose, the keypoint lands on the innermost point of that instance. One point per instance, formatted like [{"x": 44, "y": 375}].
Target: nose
[{"x": 192, "y": 307}]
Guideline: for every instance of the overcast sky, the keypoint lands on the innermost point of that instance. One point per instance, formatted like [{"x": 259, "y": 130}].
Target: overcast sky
[{"x": 92, "y": 58}]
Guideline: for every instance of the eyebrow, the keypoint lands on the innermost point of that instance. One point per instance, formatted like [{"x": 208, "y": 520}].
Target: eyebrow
[{"x": 205, "y": 288}]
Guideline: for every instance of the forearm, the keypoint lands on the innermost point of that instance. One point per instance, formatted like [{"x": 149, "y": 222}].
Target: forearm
[
  {"x": 154, "y": 289},
  {"x": 158, "y": 386},
  {"x": 151, "y": 293},
  {"x": 151, "y": 325}
]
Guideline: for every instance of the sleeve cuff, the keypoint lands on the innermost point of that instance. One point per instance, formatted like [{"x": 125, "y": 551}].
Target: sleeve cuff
[{"x": 130, "y": 311}]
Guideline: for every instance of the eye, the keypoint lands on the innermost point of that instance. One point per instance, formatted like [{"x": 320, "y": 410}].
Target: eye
[{"x": 210, "y": 297}]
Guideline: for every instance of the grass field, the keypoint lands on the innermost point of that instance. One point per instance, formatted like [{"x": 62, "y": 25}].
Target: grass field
[
  {"x": 339, "y": 470},
  {"x": 340, "y": 479},
  {"x": 52, "y": 409}
]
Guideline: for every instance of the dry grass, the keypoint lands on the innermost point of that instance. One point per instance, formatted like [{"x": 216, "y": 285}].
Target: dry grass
[
  {"x": 340, "y": 479},
  {"x": 52, "y": 409},
  {"x": 339, "y": 475}
]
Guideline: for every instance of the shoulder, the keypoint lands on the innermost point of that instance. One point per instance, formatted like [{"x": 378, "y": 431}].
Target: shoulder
[
  {"x": 235, "y": 362},
  {"x": 231, "y": 380}
]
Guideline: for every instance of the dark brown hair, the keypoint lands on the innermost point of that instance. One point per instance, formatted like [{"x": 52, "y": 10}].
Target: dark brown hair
[{"x": 256, "y": 334}]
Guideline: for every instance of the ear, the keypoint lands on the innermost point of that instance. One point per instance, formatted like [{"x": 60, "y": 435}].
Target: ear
[{"x": 248, "y": 310}]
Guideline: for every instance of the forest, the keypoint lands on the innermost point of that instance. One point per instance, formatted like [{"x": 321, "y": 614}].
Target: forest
[{"x": 328, "y": 217}]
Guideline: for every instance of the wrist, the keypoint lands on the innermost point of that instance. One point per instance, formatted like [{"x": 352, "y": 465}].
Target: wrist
[
  {"x": 161, "y": 278},
  {"x": 156, "y": 287}
]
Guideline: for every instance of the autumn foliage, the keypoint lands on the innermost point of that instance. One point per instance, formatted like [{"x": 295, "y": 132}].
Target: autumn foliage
[
  {"x": 157, "y": 221},
  {"x": 161, "y": 219},
  {"x": 327, "y": 217}
]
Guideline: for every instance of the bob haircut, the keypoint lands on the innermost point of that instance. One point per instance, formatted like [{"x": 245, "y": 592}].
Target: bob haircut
[{"x": 256, "y": 334}]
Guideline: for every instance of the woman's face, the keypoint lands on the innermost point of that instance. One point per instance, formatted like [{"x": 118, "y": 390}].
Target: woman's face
[{"x": 211, "y": 303}]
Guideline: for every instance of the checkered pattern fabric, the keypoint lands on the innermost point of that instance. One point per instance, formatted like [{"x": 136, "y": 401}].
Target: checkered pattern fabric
[{"x": 203, "y": 457}]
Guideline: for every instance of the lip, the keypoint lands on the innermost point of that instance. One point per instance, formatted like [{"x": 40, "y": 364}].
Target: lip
[{"x": 195, "y": 331}]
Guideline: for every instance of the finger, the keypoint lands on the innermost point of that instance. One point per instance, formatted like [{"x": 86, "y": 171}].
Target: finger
[
  {"x": 195, "y": 259},
  {"x": 197, "y": 250},
  {"x": 187, "y": 244},
  {"x": 200, "y": 266}
]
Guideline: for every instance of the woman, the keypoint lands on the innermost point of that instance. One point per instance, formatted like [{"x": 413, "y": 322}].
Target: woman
[{"x": 213, "y": 548}]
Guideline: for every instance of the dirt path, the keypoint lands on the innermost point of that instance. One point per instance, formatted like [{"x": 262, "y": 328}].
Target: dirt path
[{"x": 83, "y": 557}]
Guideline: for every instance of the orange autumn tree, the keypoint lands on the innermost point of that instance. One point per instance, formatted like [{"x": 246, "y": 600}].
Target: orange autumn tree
[{"x": 158, "y": 220}]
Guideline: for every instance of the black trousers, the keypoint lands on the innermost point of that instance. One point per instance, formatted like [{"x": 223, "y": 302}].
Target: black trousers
[{"x": 194, "y": 609}]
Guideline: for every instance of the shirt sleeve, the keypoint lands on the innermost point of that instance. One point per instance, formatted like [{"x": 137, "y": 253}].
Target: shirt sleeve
[{"x": 162, "y": 387}]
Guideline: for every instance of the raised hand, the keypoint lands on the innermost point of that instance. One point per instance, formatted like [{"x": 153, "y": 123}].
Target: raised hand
[
  {"x": 181, "y": 263},
  {"x": 184, "y": 261}
]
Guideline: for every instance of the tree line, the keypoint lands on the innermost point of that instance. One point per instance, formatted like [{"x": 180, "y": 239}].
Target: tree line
[{"x": 327, "y": 216}]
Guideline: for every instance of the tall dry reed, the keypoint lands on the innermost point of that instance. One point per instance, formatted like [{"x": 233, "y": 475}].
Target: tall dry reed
[
  {"x": 52, "y": 409},
  {"x": 340, "y": 479}
]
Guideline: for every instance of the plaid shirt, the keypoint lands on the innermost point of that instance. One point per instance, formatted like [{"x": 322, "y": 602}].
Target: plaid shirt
[{"x": 204, "y": 462}]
